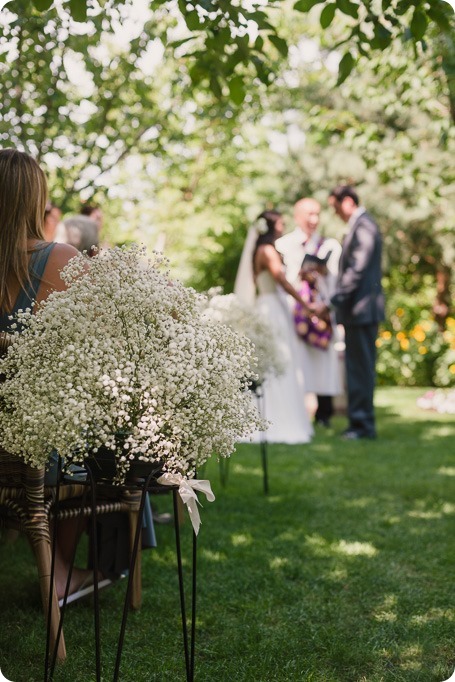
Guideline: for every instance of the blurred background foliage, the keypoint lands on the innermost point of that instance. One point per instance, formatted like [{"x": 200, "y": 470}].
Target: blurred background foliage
[{"x": 124, "y": 113}]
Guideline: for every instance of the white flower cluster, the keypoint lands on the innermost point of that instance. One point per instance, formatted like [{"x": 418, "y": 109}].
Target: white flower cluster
[
  {"x": 124, "y": 350},
  {"x": 229, "y": 310}
]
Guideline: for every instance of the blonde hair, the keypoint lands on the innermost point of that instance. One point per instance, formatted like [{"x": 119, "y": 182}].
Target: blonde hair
[{"x": 23, "y": 196}]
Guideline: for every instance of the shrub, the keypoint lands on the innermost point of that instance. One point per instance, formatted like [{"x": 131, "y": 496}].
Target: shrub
[{"x": 416, "y": 353}]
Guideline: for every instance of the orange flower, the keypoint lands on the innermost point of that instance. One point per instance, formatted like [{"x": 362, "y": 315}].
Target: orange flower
[
  {"x": 386, "y": 335},
  {"x": 404, "y": 344},
  {"x": 418, "y": 334},
  {"x": 401, "y": 336},
  {"x": 400, "y": 312},
  {"x": 423, "y": 350}
]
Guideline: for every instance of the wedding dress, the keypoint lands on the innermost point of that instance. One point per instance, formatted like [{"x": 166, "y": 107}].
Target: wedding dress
[
  {"x": 283, "y": 403},
  {"x": 284, "y": 395}
]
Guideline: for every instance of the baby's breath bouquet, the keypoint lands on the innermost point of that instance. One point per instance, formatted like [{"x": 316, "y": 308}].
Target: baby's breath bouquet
[
  {"x": 124, "y": 350},
  {"x": 244, "y": 319}
]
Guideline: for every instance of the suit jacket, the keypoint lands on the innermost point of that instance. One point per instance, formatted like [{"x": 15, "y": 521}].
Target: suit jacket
[{"x": 358, "y": 296}]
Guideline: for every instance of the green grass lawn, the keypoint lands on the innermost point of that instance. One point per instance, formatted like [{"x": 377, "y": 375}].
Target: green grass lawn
[{"x": 343, "y": 573}]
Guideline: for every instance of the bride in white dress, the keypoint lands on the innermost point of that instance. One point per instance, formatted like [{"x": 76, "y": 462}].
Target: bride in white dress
[{"x": 261, "y": 267}]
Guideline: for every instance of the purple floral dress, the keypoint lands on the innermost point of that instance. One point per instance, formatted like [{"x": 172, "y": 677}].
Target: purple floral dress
[{"x": 314, "y": 330}]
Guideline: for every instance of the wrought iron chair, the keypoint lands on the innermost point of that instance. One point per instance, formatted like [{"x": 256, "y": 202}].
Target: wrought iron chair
[{"x": 28, "y": 506}]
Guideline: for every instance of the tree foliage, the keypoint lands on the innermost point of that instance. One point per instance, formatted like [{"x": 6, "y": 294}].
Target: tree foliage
[
  {"x": 221, "y": 44},
  {"x": 174, "y": 163}
]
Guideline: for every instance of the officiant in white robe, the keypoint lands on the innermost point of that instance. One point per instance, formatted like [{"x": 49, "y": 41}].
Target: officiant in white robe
[{"x": 321, "y": 367}]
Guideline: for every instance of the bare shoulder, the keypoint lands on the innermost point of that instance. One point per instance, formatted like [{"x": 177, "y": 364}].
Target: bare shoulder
[
  {"x": 61, "y": 254},
  {"x": 269, "y": 250}
]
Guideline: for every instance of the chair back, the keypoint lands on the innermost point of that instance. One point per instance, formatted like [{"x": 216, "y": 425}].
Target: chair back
[{"x": 14, "y": 472}]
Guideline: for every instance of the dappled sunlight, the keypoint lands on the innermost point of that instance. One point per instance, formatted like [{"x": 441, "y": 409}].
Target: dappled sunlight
[
  {"x": 318, "y": 544},
  {"x": 321, "y": 547},
  {"x": 278, "y": 562},
  {"x": 241, "y": 539},
  {"x": 444, "y": 509},
  {"x": 322, "y": 471},
  {"x": 321, "y": 447},
  {"x": 292, "y": 535},
  {"x": 213, "y": 556},
  {"x": 433, "y": 615},
  {"x": 412, "y": 655},
  {"x": 337, "y": 575},
  {"x": 355, "y": 548},
  {"x": 446, "y": 471},
  {"x": 274, "y": 499},
  {"x": 248, "y": 471},
  {"x": 392, "y": 520},
  {"x": 425, "y": 515},
  {"x": 386, "y": 611},
  {"x": 438, "y": 431},
  {"x": 360, "y": 502}
]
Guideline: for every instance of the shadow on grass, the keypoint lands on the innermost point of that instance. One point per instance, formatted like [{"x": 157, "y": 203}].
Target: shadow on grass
[{"x": 340, "y": 574}]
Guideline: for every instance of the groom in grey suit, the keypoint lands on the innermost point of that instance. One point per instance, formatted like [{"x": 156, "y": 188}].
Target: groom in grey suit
[{"x": 359, "y": 304}]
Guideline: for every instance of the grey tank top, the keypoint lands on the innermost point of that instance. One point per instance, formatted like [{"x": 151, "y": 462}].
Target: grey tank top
[{"x": 36, "y": 267}]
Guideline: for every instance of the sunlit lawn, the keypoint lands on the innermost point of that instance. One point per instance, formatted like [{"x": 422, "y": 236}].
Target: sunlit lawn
[{"x": 343, "y": 573}]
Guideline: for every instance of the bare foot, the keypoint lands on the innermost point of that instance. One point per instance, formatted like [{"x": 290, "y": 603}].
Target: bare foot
[{"x": 79, "y": 578}]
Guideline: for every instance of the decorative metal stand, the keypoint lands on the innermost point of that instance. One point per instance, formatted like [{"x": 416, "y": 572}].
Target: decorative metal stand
[
  {"x": 224, "y": 470},
  {"x": 259, "y": 393},
  {"x": 145, "y": 485}
]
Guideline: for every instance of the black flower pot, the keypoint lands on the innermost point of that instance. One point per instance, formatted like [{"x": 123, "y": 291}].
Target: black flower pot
[{"x": 104, "y": 466}]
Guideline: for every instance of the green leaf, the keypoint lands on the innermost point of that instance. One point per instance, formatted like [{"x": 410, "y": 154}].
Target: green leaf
[
  {"x": 345, "y": 67},
  {"x": 42, "y": 5},
  {"x": 78, "y": 9},
  {"x": 237, "y": 90},
  {"x": 348, "y": 7},
  {"x": 215, "y": 87},
  {"x": 280, "y": 44},
  {"x": 306, "y": 5},
  {"x": 419, "y": 24},
  {"x": 192, "y": 21},
  {"x": 383, "y": 36},
  {"x": 440, "y": 17},
  {"x": 259, "y": 43},
  {"x": 327, "y": 15}
]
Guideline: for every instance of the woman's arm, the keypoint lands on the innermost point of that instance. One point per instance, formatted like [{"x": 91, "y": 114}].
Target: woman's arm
[{"x": 268, "y": 258}]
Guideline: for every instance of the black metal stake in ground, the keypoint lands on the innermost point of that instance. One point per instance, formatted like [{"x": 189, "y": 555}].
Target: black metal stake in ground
[
  {"x": 189, "y": 649},
  {"x": 260, "y": 399},
  {"x": 49, "y": 669},
  {"x": 137, "y": 538}
]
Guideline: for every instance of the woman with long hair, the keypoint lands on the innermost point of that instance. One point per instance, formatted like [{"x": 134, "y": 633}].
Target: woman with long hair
[
  {"x": 29, "y": 271},
  {"x": 261, "y": 277}
]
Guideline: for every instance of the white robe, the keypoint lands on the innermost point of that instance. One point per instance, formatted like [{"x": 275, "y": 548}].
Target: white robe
[{"x": 323, "y": 372}]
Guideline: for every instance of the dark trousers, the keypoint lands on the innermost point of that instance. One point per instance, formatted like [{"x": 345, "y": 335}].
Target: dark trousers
[
  {"x": 360, "y": 376},
  {"x": 325, "y": 408}
]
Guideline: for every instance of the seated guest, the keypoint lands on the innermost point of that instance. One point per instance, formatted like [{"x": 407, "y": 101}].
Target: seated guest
[
  {"x": 29, "y": 271},
  {"x": 94, "y": 213},
  {"x": 52, "y": 217},
  {"x": 82, "y": 233}
]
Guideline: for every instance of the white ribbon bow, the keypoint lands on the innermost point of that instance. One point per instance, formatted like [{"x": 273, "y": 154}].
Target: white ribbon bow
[{"x": 187, "y": 493}]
